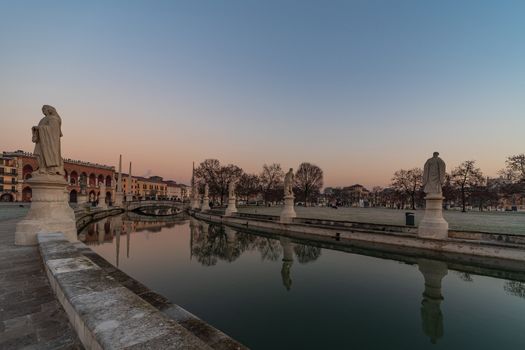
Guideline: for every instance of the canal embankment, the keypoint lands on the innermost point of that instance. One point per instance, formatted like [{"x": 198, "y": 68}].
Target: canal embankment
[{"x": 491, "y": 250}]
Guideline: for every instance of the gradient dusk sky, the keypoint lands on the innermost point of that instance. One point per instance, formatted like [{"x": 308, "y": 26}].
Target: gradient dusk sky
[{"x": 360, "y": 88}]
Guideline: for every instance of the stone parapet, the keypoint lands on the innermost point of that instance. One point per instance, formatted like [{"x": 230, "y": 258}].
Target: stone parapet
[{"x": 105, "y": 314}]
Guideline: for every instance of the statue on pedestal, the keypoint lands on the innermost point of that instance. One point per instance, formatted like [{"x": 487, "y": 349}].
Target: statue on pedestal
[
  {"x": 46, "y": 137},
  {"x": 231, "y": 189},
  {"x": 50, "y": 210},
  {"x": 288, "y": 183},
  {"x": 434, "y": 175},
  {"x": 433, "y": 225},
  {"x": 288, "y": 212},
  {"x": 232, "y": 205}
]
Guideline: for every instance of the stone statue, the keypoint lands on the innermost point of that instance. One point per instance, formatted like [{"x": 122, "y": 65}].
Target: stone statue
[
  {"x": 206, "y": 191},
  {"x": 288, "y": 183},
  {"x": 46, "y": 137},
  {"x": 231, "y": 189},
  {"x": 434, "y": 175}
]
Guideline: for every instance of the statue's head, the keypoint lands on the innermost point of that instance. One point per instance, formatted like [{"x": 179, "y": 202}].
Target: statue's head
[
  {"x": 435, "y": 154},
  {"x": 49, "y": 110},
  {"x": 291, "y": 169}
]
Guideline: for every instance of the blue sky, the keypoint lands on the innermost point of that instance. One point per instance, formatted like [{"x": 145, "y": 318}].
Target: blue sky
[{"x": 361, "y": 88}]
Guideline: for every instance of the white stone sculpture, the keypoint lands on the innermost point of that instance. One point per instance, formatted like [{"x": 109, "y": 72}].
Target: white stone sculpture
[
  {"x": 288, "y": 183},
  {"x": 232, "y": 207},
  {"x": 50, "y": 210},
  {"x": 46, "y": 137},
  {"x": 102, "y": 196},
  {"x": 434, "y": 175},
  {"x": 288, "y": 212},
  {"x": 206, "y": 199},
  {"x": 433, "y": 225}
]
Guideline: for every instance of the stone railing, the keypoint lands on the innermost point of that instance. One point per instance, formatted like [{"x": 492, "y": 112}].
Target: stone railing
[{"x": 105, "y": 314}]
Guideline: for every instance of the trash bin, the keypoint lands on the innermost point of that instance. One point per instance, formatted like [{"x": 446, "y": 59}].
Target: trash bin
[{"x": 409, "y": 219}]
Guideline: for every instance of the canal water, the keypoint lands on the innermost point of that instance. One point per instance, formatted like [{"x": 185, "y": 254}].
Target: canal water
[{"x": 270, "y": 292}]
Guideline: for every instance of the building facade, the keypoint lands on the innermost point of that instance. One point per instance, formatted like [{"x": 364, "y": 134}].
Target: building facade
[{"x": 22, "y": 164}]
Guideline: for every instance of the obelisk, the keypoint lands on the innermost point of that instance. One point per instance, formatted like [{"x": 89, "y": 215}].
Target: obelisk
[
  {"x": 119, "y": 195},
  {"x": 129, "y": 194}
]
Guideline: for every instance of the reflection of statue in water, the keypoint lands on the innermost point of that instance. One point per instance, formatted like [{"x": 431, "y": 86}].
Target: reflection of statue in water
[
  {"x": 288, "y": 183},
  {"x": 46, "y": 137},
  {"x": 434, "y": 175},
  {"x": 431, "y": 315},
  {"x": 287, "y": 246}
]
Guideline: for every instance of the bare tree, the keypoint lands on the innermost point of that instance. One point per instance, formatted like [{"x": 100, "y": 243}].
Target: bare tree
[
  {"x": 465, "y": 178},
  {"x": 271, "y": 178},
  {"x": 217, "y": 176},
  {"x": 515, "y": 167},
  {"x": 248, "y": 185},
  {"x": 308, "y": 181},
  {"x": 408, "y": 182}
]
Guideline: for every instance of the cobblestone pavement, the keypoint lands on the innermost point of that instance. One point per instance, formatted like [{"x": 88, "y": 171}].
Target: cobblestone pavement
[{"x": 30, "y": 315}]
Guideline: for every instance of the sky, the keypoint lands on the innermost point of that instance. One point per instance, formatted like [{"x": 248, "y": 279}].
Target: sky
[{"x": 360, "y": 88}]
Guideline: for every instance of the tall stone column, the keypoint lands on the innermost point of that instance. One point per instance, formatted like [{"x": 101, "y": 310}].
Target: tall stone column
[
  {"x": 129, "y": 194},
  {"x": 194, "y": 200},
  {"x": 431, "y": 316},
  {"x": 119, "y": 195}
]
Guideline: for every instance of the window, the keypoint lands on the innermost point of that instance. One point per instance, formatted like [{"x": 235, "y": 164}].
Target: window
[
  {"x": 13, "y": 180},
  {"x": 1, "y": 188},
  {"x": 13, "y": 189}
]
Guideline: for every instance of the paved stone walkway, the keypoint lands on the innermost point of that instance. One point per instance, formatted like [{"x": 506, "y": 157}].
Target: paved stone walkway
[{"x": 30, "y": 315}]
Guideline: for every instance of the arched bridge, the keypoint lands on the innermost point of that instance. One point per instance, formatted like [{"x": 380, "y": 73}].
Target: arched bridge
[{"x": 153, "y": 207}]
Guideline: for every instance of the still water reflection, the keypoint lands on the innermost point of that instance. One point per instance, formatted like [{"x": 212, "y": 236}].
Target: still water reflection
[{"x": 273, "y": 292}]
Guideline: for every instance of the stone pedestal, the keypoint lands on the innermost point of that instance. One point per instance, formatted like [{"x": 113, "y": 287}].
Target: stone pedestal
[
  {"x": 288, "y": 212},
  {"x": 433, "y": 224},
  {"x": 49, "y": 211},
  {"x": 232, "y": 207},
  {"x": 205, "y": 204},
  {"x": 119, "y": 199}
]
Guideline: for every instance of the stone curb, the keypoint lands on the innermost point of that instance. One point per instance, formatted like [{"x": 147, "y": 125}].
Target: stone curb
[
  {"x": 496, "y": 254},
  {"x": 105, "y": 314}
]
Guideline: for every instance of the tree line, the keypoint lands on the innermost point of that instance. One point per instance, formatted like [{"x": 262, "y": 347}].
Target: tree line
[
  {"x": 465, "y": 185},
  {"x": 268, "y": 184}
]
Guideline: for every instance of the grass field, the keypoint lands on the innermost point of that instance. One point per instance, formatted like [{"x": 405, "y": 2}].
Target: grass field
[{"x": 500, "y": 222}]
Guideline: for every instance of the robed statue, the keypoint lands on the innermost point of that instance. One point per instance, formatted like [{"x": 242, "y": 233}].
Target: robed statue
[
  {"x": 46, "y": 137},
  {"x": 206, "y": 191},
  {"x": 231, "y": 189},
  {"x": 434, "y": 175},
  {"x": 288, "y": 183}
]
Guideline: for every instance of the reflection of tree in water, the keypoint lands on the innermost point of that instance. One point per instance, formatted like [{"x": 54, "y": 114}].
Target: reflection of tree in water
[
  {"x": 515, "y": 288},
  {"x": 306, "y": 253},
  {"x": 270, "y": 249},
  {"x": 211, "y": 246},
  {"x": 464, "y": 276}
]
